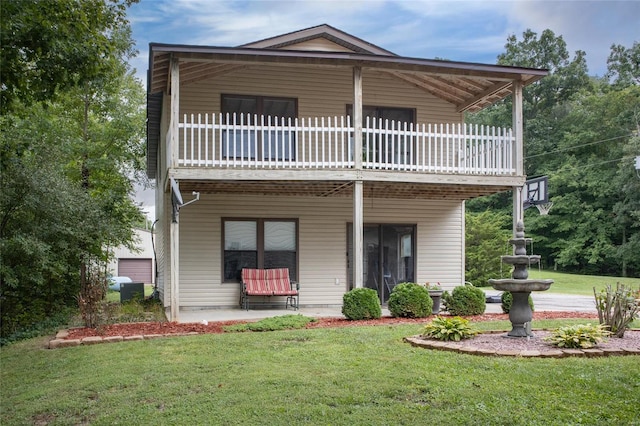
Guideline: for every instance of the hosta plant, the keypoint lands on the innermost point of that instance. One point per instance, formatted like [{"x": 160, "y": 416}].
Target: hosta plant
[
  {"x": 580, "y": 336},
  {"x": 449, "y": 329}
]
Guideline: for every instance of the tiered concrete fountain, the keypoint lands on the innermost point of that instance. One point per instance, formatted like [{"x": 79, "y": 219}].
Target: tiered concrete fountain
[{"x": 520, "y": 285}]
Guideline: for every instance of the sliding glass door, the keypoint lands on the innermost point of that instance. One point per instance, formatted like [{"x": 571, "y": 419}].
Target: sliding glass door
[{"x": 389, "y": 257}]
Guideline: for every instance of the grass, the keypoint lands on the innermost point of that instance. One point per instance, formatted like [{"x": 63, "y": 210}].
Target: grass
[
  {"x": 580, "y": 284},
  {"x": 342, "y": 376}
]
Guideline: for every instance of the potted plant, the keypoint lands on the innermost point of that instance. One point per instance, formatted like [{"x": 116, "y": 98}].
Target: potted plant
[{"x": 435, "y": 292}]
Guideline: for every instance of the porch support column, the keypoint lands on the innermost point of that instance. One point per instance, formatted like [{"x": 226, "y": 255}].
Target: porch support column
[
  {"x": 175, "y": 112},
  {"x": 358, "y": 204},
  {"x": 518, "y": 152},
  {"x": 358, "y": 242},
  {"x": 174, "y": 232},
  {"x": 175, "y": 269}
]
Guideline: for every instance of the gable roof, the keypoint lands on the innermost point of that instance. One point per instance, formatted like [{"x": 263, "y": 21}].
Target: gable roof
[{"x": 324, "y": 31}]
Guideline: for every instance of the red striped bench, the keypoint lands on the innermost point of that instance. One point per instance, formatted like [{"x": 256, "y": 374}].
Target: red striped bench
[{"x": 268, "y": 282}]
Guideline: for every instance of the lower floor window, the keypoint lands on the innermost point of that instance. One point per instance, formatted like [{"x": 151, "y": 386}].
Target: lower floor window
[{"x": 259, "y": 243}]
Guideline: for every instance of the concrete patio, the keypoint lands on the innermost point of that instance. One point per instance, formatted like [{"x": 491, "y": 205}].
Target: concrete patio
[{"x": 542, "y": 302}]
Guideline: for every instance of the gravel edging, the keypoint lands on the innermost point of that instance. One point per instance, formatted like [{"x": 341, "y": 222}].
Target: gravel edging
[{"x": 471, "y": 349}]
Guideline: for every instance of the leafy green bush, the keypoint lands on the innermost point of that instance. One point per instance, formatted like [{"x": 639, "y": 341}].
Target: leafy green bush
[
  {"x": 579, "y": 336},
  {"x": 410, "y": 300},
  {"x": 465, "y": 300},
  {"x": 284, "y": 322},
  {"x": 361, "y": 303},
  {"x": 449, "y": 329},
  {"x": 507, "y": 300},
  {"x": 616, "y": 308}
]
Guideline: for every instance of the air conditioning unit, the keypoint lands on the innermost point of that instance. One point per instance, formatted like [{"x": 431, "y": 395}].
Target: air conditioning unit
[{"x": 130, "y": 291}]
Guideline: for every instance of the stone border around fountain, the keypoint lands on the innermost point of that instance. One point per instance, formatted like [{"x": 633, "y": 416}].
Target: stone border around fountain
[{"x": 469, "y": 349}]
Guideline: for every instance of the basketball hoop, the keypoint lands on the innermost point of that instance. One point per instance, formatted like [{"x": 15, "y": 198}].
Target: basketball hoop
[{"x": 544, "y": 208}]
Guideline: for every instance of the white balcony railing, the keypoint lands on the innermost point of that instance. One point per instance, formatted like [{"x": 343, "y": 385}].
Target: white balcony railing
[{"x": 244, "y": 141}]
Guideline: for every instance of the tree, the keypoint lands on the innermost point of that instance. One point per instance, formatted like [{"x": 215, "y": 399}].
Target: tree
[
  {"x": 70, "y": 148},
  {"x": 579, "y": 132},
  {"x": 55, "y": 45},
  {"x": 623, "y": 64},
  {"x": 486, "y": 239}
]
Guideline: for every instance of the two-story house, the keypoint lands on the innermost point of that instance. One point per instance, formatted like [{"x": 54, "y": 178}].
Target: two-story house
[{"x": 323, "y": 153}]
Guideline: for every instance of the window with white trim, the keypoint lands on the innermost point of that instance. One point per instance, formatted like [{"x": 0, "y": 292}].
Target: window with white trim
[{"x": 259, "y": 243}]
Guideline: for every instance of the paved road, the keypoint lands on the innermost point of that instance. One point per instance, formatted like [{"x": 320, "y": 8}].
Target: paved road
[{"x": 544, "y": 301}]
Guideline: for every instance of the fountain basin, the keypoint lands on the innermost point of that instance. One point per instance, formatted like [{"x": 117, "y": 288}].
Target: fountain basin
[
  {"x": 520, "y": 285},
  {"x": 520, "y": 259}
]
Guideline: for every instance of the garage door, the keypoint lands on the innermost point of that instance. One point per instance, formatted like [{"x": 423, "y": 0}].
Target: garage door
[{"x": 139, "y": 270}]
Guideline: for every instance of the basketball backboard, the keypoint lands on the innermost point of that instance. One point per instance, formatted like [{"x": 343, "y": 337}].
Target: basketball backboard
[{"x": 535, "y": 192}]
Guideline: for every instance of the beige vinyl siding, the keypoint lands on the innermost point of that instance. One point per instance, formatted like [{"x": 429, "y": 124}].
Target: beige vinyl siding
[
  {"x": 322, "y": 243},
  {"x": 321, "y": 92},
  {"x": 320, "y": 44}
]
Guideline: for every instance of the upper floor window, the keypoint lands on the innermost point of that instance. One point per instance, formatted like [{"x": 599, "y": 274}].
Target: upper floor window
[
  {"x": 271, "y": 144},
  {"x": 385, "y": 149}
]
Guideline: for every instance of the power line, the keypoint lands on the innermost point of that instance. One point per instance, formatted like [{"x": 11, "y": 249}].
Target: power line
[{"x": 577, "y": 146}]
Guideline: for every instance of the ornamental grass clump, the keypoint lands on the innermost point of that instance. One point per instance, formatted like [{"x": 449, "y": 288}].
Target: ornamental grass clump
[
  {"x": 580, "y": 336},
  {"x": 449, "y": 329},
  {"x": 361, "y": 303},
  {"x": 410, "y": 300},
  {"x": 616, "y": 308}
]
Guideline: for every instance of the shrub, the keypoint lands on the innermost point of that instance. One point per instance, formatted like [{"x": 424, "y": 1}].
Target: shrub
[
  {"x": 616, "y": 308},
  {"x": 447, "y": 329},
  {"x": 507, "y": 300},
  {"x": 410, "y": 300},
  {"x": 579, "y": 336},
  {"x": 283, "y": 322},
  {"x": 361, "y": 303},
  {"x": 465, "y": 300}
]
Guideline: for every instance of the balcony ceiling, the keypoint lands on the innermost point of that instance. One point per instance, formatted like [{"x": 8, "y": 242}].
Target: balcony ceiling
[
  {"x": 469, "y": 86},
  {"x": 399, "y": 190}
]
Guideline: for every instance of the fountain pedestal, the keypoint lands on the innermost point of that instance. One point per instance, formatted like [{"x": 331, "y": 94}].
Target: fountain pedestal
[{"x": 519, "y": 284}]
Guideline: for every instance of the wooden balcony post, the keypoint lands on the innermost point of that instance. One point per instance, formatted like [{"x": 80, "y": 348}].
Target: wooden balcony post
[
  {"x": 518, "y": 212},
  {"x": 174, "y": 147},
  {"x": 358, "y": 203},
  {"x": 357, "y": 117},
  {"x": 175, "y": 111}
]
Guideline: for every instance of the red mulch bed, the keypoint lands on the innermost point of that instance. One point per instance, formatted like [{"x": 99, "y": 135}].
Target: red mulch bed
[{"x": 149, "y": 328}]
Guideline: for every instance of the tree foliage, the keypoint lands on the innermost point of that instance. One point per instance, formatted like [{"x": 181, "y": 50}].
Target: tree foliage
[
  {"x": 583, "y": 133},
  {"x": 70, "y": 144},
  {"x": 624, "y": 64},
  {"x": 55, "y": 45},
  {"x": 486, "y": 239}
]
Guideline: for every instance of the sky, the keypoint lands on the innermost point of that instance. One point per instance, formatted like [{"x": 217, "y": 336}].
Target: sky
[{"x": 457, "y": 30}]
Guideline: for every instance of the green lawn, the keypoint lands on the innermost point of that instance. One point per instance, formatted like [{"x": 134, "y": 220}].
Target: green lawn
[
  {"x": 344, "y": 376},
  {"x": 580, "y": 284}
]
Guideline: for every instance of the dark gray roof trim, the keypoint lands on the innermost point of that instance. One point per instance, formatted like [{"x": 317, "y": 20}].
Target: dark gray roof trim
[
  {"x": 154, "y": 114},
  {"x": 398, "y": 63}
]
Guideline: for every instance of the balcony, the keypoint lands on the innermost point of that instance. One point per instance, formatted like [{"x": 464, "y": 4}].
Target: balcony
[{"x": 262, "y": 142}]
